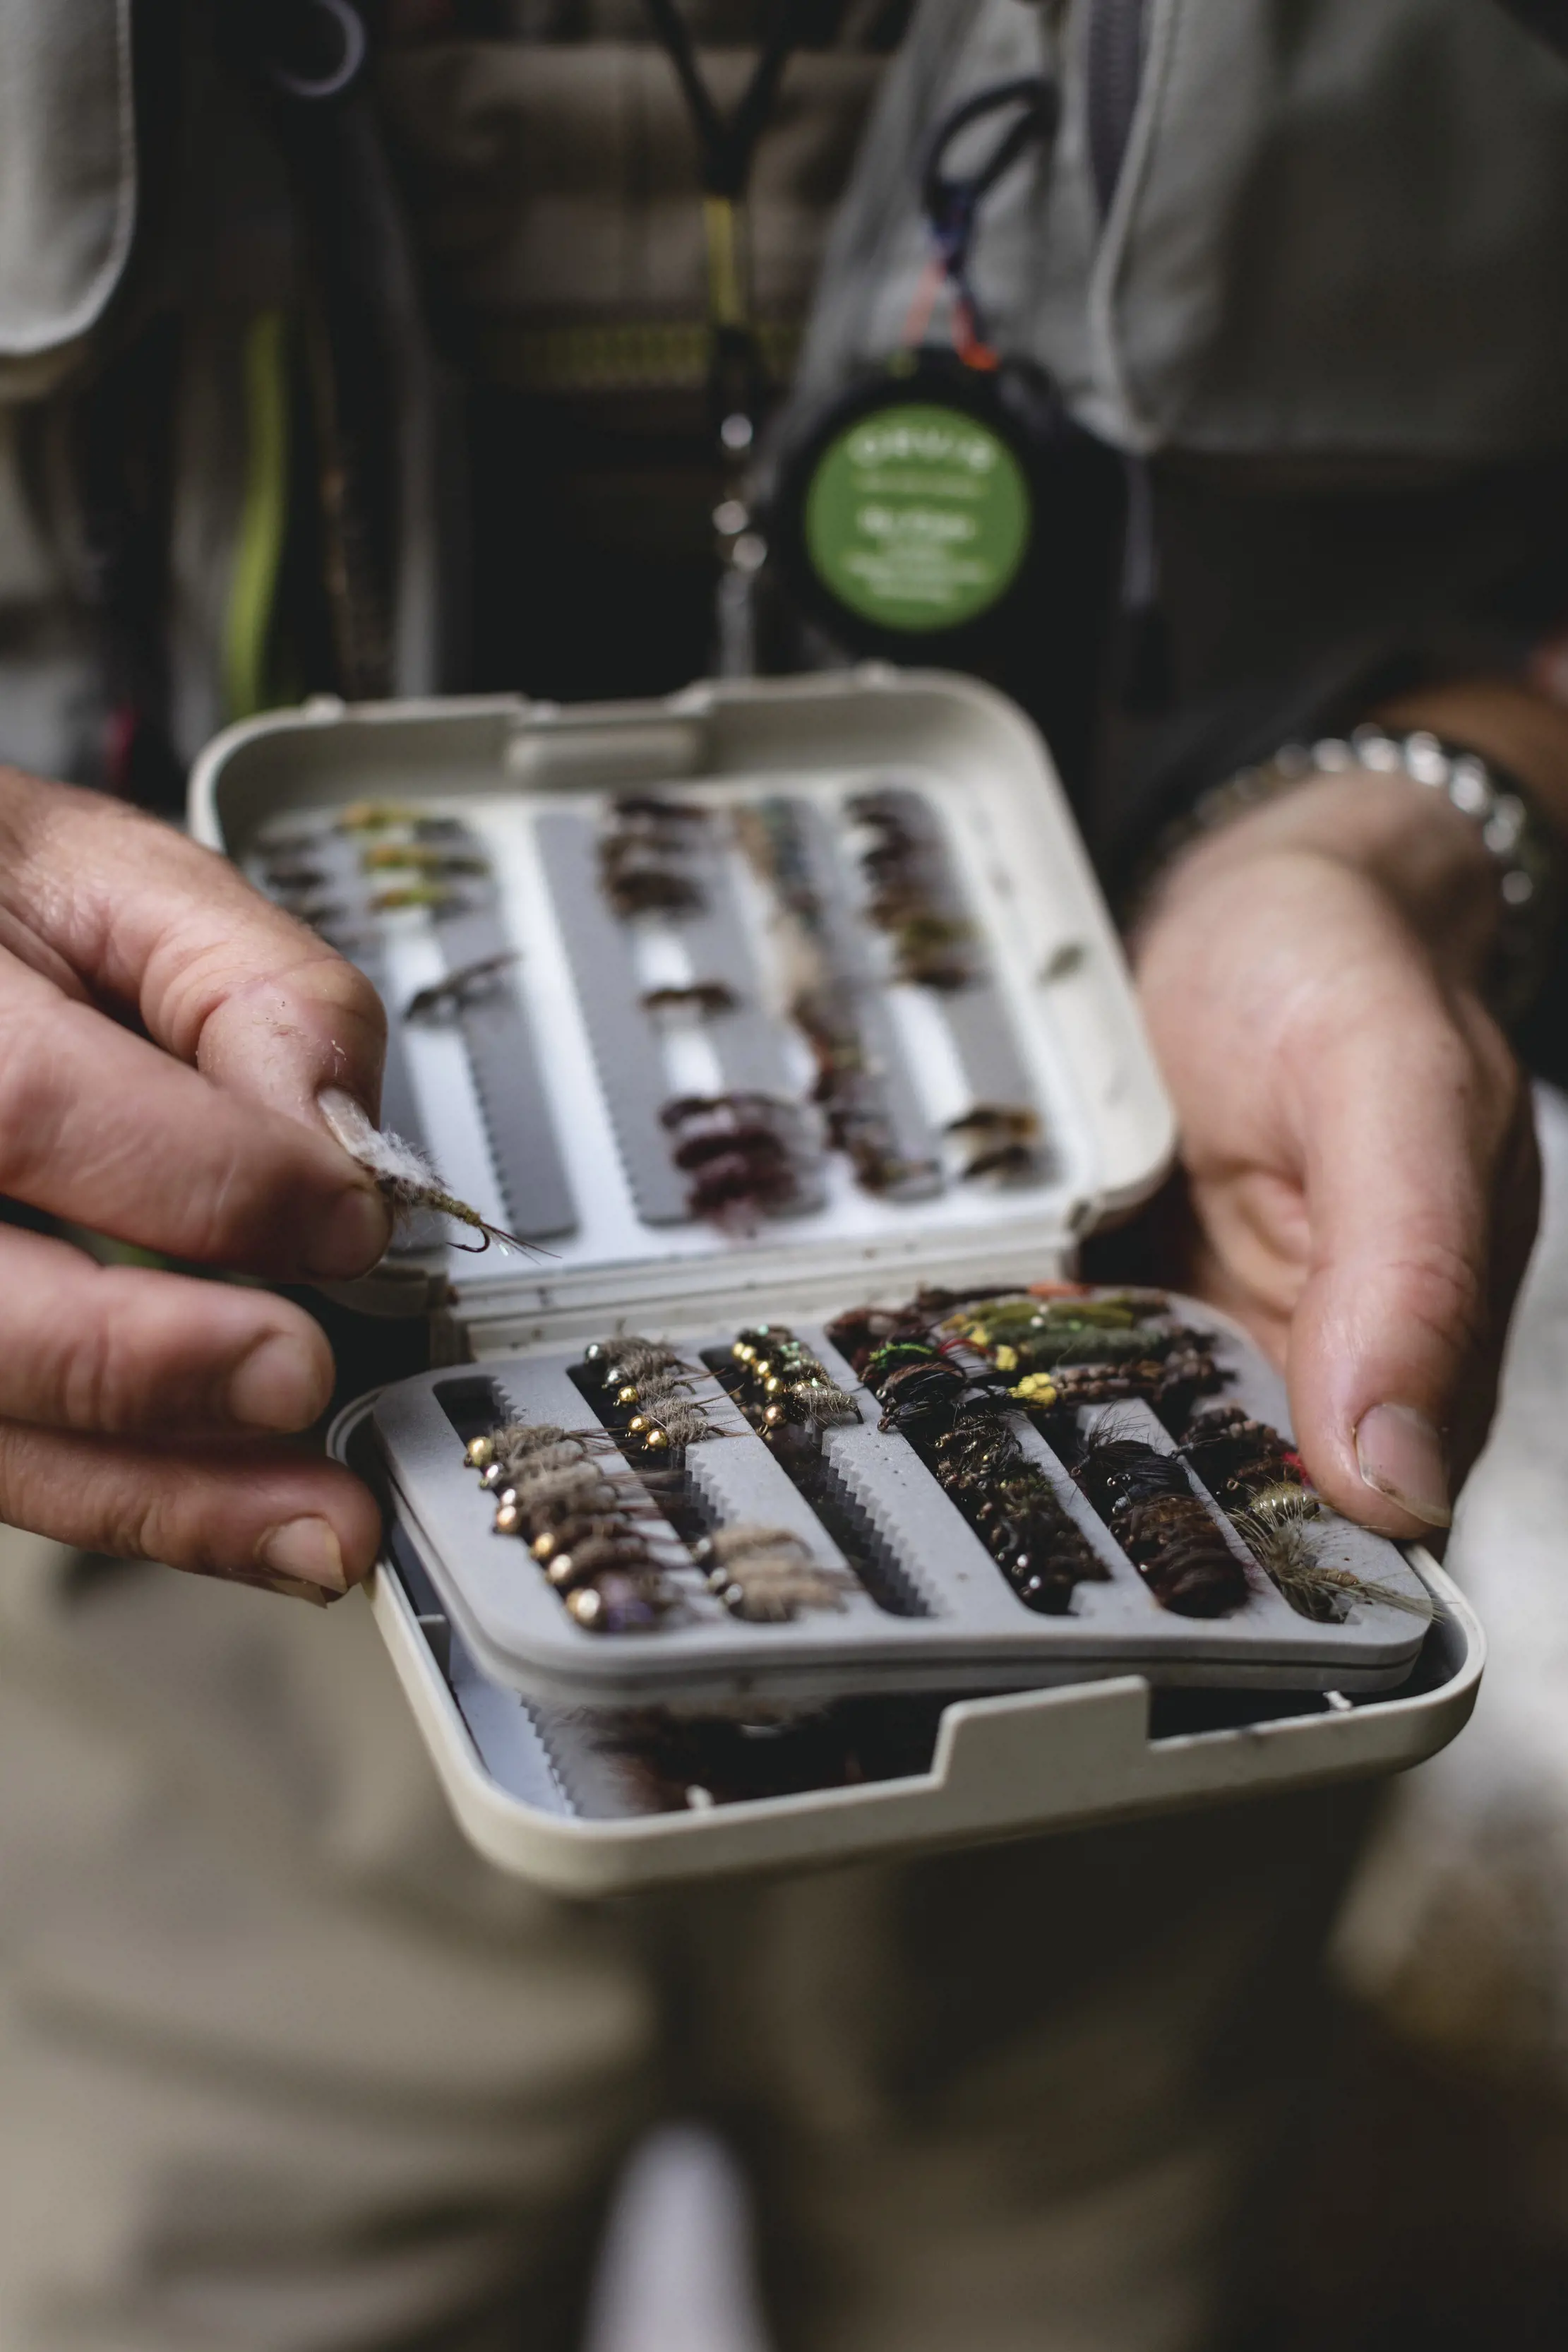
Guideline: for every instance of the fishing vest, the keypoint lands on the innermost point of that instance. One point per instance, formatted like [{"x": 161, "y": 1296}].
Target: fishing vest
[{"x": 1332, "y": 238}]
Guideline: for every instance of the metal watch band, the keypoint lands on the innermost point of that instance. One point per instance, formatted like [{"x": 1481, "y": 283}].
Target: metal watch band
[{"x": 1521, "y": 846}]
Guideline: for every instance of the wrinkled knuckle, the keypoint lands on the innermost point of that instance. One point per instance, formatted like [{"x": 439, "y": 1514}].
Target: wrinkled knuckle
[
  {"x": 150, "y": 1524},
  {"x": 17, "y": 1498},
  {"x": 115, "y": 1519},
  {"x": 233, "y": 1210},
  {"x": 1441, "y": 1291},
  {"x": 109, "y": 1373},
  {"x": 30, "y": 1104},
  {"x": 317, "y": 999},
  {"x": 351, "y": 990},
  {"x": 87, "y": 1386}
]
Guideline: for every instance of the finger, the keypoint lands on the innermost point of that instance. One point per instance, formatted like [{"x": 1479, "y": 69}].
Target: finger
[
  {"x": 257, "y": 1514},
  {"x": 218, "y": 975},
  {"x": 100, "y": 1126},
  {"x": 1406, "y": 1121},
  {"x": 119, "y": 1348},
  {"x": 1252, "y": 1252}
]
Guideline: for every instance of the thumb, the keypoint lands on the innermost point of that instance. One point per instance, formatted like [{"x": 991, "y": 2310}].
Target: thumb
[{"x": 1417, "y": 1151}]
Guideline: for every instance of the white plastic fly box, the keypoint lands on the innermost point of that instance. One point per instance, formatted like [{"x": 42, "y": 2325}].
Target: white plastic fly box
[{"x": 780, "y": 1497}]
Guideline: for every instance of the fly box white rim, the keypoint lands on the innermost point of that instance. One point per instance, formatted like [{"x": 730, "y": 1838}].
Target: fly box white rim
[
  {"x": 1061, "y": 1756},
  {"x": 1005, "y": 1766}
]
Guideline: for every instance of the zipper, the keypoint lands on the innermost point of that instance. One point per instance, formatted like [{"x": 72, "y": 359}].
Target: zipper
[{"x": 1115, "y": 65}]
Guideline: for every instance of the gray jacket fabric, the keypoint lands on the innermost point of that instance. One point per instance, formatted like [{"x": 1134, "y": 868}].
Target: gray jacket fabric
[{"x": 1339, "y": 228}]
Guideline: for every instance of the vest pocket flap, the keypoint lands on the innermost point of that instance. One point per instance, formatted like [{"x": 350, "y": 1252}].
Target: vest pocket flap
[{"x": 68, "y": 173}]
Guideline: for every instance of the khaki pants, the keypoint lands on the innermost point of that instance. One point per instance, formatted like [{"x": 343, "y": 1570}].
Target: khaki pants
[{"x": 284, "y": 2067}]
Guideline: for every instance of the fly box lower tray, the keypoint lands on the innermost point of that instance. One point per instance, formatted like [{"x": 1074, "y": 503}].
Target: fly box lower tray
[
  {"x": 784, "y": 1499},
  {"x": 958, "y": 1539}
]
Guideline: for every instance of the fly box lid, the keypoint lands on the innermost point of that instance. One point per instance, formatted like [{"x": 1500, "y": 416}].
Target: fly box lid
[
  {"x": 739, "y": 1010},
  {"x": 556, "y": 1134}
]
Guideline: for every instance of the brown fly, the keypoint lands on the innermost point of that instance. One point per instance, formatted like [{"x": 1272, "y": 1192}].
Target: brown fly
[
  {"x": 641, "y": 856},
  {"x": 1178, "y": 1549},
  {"x": 738, "y": 1150},
  {"x": 1259, "y": 1478},
  {"x": 469, "y": 984},
  {"x": 703, "y": 998}
]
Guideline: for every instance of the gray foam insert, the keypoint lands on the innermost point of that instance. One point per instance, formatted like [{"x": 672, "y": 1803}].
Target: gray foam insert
[
  {"x": 975, "y": 1014},
  {"x": 748, "y": 1041},
  {"x": 628, "y": 1045},
  {"x": 975, "y": 1633},
  {"x": 627, "y": 1042},
  {"x": 519, "y": 1123},
  {"x": 356, "y": 935},
  {"x": 855, "y": 972}
]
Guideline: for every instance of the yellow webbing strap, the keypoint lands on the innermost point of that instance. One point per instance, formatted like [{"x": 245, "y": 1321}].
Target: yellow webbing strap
[{"x": 258, "y": 553}]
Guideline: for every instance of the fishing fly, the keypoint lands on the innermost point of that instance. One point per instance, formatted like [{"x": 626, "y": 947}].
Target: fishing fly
[{"x": 1178, "y": 1551}]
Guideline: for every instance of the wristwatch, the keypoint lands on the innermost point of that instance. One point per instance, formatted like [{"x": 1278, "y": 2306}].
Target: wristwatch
[{"x": 1522, "y": 846}]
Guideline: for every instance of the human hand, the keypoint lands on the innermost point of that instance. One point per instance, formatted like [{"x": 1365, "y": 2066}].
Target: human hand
[
  {"x": 165, "y": 1034},
  {"x": 1355, "y": 1131}
]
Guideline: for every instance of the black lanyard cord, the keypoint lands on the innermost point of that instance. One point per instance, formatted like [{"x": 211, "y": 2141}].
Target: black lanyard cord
[
  {"x": 728, "y": 148},
  {"x": 952, "y": 202}
]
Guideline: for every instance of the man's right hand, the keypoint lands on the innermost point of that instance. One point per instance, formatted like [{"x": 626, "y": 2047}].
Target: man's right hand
[{"x": 164, "y": 1033}]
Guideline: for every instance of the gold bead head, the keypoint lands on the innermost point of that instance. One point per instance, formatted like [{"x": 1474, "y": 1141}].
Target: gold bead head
[{"x": 480, "y": 1453}]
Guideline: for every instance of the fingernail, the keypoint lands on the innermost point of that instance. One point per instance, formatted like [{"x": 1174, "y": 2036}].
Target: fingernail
[
  {"x": 287, "y": 1588},
  {"x": 352, "y": 1235},
  {"x": 1400, "y": 1454},
  {"x": 306, "y": 1550},
  {"x": 290, "y": 1588},
  {"x": 277, "y": 1386},
  {"x": 348, "y": 1120}
]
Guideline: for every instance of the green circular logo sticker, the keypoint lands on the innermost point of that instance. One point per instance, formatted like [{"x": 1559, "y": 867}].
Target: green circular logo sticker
[{"x": 918, "y": 518}]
